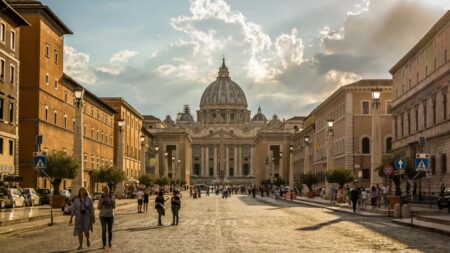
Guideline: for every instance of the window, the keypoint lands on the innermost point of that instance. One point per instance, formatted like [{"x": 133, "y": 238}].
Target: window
[
  {"x": 416, "y": 116},
  {"x": 246, "y": 170},
  {"x": 65, "y": 96},
  {"x": 11, "y": 112},
  {"x": 425, "y": 114},
  {"x": 92, "y": 133},
  {"x": 365, "y": 144},
  {"x": 3, "y": 33},
  {"x": 365, "y": 107},
  {"x": 444, "y": 164},
  {"x": 433, "y": 165},
  {"x": 408, "y": 122},
  {"x": 65, "y": 121},
  {"x": 2, "y": 69},
  {"x": 231, "y": 171},
  {"x": 56, "y": 84},
  {"x": 46, "y": 113},
  {"x": 12, "y": 74},
  {"x": 47, "y": 50},
  {"x": 389, "y": 145},
  {"x": 13, "y": 40},
  {"x": 46, "y": 79},
  {"x": 197, "y": 169},
  {"x": 388, "y": 107},
  {"x": 11, "y": 147},
  {"x": 1, "y": 145},
  {"x": 98, "y": 135},
  {"x": 433, "y": 110},
  {"x": 56, "y": 57},
  {"x": 56, "y": 118},
  {"x": 211, "y": 171},
  {"x": 1, "y": 108},
  {"x": 444, "y": 105}
]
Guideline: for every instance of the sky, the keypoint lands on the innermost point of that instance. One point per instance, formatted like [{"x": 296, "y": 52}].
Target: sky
[{"x": 287, "y": 55}]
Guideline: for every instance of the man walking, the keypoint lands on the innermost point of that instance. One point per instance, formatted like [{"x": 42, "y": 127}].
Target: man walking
[
  {"x": 354, "y": 193},
  {"x": 175, "y": 206},
  {"x": 140, "y": 199}
]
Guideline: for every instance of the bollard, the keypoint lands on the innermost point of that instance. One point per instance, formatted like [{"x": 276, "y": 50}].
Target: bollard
[
  {"x": 397, "y": 213},
  {"x": 405, "y": 211}
]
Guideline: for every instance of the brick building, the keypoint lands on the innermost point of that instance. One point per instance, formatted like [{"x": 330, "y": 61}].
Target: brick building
[
  {"x": 420, "y": 108},
  {"x": 10, "y": 25}
]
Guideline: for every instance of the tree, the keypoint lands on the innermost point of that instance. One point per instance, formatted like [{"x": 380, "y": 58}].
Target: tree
[
  {"x": 162, "y": 181},
  {"x": 110, "y": 175},
  {"x": 339, "y": 176},
  {"x": 146, "y": 180},
  {"x": 60, "y": 166},
  {"x": 309, "y": 180}
]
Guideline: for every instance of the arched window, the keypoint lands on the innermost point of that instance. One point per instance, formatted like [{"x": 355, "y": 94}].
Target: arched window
[
  {"x": 365, "y": 145},
  {"x": 389, "y": 145}
]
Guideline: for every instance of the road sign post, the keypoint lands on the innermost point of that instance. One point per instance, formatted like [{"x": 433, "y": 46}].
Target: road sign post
[
  {"x": 40, "y": 164},
  {"x": 422, "y": 162},
  {"x": 400, "y": 164}
]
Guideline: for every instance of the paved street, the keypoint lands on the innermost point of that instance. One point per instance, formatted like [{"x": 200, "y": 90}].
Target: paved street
[{"x": 239, "y": 224}]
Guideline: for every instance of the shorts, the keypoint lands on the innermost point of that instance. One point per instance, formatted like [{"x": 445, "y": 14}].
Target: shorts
[{"x": 140, "y": 202}]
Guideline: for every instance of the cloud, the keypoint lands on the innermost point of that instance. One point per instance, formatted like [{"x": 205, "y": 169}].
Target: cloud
[
  {"x": 123, "y": 56},
  {"x": 76, "y": 64}
]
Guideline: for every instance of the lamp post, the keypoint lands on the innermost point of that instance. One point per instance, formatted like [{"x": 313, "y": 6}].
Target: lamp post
[
  {"x": 143, "y": 144},
  {"x": 78, "y": 181},
  {"x": 306, "y": 165},
  {"x": 178, "y": 169},
  {"x": 375, "y": 157},
  {"x": 291, "y": 167},
  {"x": 166, "y": 164},
  {"x": 119, "y": 156},
  {"x": 156, "y": 161},
  {"x": 329, "y": 137},
  {"x": 172, "y": 167}
]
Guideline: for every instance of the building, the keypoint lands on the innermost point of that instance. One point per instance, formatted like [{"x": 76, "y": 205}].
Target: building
[
  {"x": 127, "y": 138},
  {"x": 340, "y": 133},
  {"x": 10, "y": 26},
  {"x": 48, "y": 95},
  {"x": 420, "y": 108},
  {"x": 224, "y": 144}
]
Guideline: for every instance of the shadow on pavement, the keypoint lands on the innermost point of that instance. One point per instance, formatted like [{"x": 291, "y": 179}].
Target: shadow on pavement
[
  {"x": 76, "y": 250},
  {"x": 140, "y": 228},
  {"x": 320, "y": 225}
]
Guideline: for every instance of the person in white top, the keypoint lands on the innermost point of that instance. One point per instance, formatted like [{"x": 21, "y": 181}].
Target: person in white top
[
  {"x": 363, "y": 198},
  {"x": 140, "y": 199}
]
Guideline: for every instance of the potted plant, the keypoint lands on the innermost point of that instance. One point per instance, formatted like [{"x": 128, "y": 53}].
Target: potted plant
[
  {"x": 146, "y": 180},
  {"x": 110, "y": 175},
  {"x": 60, "y": 166},
  {"x": 309, "y": 180},
  {"x": 340, "y": 176}
]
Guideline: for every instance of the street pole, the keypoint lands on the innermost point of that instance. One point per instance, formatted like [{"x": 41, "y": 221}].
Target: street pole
[
  {"x": 78, "y": 181},
  {"x": 291, "y": 167},
  {"x": 375, "y": 157},
  {"x": 119, "y": 155},
  {"x": 329, "y": 138}
]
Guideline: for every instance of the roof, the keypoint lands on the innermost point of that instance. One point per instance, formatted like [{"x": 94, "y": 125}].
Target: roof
[
  {"x": 296, "y": 118},
  {"x": 122, "y": 101},
  {"x": 442, "y": 22},
  {"x": 24, "y": 5},
  {"x": 150, "y": 117},
  {"x": 13, "y": 14},
  {"x": 89, "y": 94}
]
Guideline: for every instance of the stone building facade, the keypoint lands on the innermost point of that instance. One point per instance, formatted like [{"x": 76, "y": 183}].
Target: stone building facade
[
  {"x": 224, "y": 144},
  {"x": 421, "y": 81},
  {"x": 10, "y": 26},
  {"x": 348, "y": 143}
]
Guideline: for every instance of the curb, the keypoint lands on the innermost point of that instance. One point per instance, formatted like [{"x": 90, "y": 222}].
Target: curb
[{"x": 429, "y": 229}]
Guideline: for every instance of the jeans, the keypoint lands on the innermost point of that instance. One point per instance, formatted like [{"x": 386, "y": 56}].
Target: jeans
[
  {"x": 160, "y": 213},
  {"x": 354, "y": 202},
  {"x": 175, "y": 210},
  {"x": 106, "y": 221}
]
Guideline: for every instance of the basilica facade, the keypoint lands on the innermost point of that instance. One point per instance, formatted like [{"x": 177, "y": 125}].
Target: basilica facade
[{"x": 224, "y": 144}]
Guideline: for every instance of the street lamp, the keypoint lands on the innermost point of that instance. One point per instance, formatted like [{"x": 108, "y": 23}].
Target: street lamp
[
  {"x": 291, "y": 147},
  {"x": 376, "y": 94},
  {"x": 142, "y": 139},
  {"x": 306, "y": 139},
  {"x": 375, "y": 149},
  {"x": 306, "y": 155},
  {"x": 291, "y": 167},
  {"x": 78, "y": 181},
  {"x": 330, "y": 161},
  {"x": 120, "y": 123},
  {"x": 79, "y": 93}
]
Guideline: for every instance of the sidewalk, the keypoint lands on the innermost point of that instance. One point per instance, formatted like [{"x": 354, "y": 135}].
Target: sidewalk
[
  {"x": 439, "y": 224},
  {"x": 22, "y": 215}
]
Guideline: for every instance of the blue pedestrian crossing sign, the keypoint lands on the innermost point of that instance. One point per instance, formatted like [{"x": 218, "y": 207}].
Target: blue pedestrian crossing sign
[
  {"x": 422, "y": 162},
  {"x": 40, "y": 162},
  {"x": 400, "y": 164}
]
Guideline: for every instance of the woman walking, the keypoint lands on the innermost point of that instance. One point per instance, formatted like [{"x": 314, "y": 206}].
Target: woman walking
[
  {"x": 159, "y": 206},
  {"x": 83, "y": 210},
  {"x": 146, "y": 195},
  {"x": 106, "y": 205},
  {"x": 175, "y": 206}
]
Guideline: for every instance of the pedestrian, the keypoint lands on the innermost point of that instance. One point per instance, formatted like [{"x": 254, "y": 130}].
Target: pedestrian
[
  {"x": 175, "y": 202},
  {"x": 363, "y": 200},
  {"x": 106, "y": 205},
  {"x": 373, "y": 197},
  {"x": 379, "y": 193},
  {"x": 441, "y": 193},
  {"x": 140, "y": 199},
  {"x": 159, "y": 206},
  {"x": 83, "y": 210},
  {"x": 354, "y": 194},
  {"x": 333, "y": 193},
  {"x": 385, "y": 194},
  {"x": 146, "y": 195}
]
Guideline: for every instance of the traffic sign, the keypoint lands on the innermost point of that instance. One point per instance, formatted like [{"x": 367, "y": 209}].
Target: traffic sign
[
  {"x": 388, "y": 170},
  {"x": 400, "y": 164},
  {"x": 422, "y": 162},
  {"x": 40, "y": 162}
]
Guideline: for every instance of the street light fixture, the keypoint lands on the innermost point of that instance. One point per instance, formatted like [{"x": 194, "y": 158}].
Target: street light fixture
[
  {"x": 166, "y": 154},
  {"x": 330, "y": 123},
  {"x": 306, "y": 139},
  {"x": 142, "y": 139},
  {"x": 291, "y": 147},
  {"x": 156, "y": 148},
  {"x": 281, "y": 155},
  {"x": 79, "y": 93},
  {"x": 376, "y": 95},
  {"x": 120, "y": 123}
]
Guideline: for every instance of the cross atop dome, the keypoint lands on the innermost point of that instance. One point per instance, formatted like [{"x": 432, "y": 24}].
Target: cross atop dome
[{"x": 223, "y": 71}]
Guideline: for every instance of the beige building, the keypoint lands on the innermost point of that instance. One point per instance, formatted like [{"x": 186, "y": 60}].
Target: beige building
[
  {"x": 10, "y": 26},
  {"x": 421, "y": 109},
  {"x": 348, "y": 142},
  {"x": 224, "y": 144}
]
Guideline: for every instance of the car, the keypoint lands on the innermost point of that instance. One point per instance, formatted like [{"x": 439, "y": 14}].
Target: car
[
  {"x": 11, "y": 197},
  {"x": 32, "y": 196},
  {"x": 97, "y": 195},
  {"x": 44, "y": 196},
  {"x": 443, "y": 201}
]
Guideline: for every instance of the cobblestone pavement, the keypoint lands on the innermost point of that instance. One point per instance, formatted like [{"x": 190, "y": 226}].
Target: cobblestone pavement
[{"x": 238, "y": 224}]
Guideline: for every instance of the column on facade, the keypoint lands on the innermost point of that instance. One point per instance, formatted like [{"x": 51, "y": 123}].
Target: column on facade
[
  {"x": 202, "y": 160},
  {"x": 207, "y": 161},
  {"x": 227, "y": 161},
  {"x": 281, "y": 162},
  {"x": 306, "y": 162},
  {"x": 238, "y": 169},
  {"x": 235, "y": 160},
  {"x": 252, "y": 161},
  {"x": 215, "y": 161}
]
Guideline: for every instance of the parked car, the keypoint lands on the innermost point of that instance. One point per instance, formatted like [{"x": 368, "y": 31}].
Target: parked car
[
  {"x": 44, "y": 196},
  {"x": 443, "y": 201},
  {"x": 32, "y": 196},
  {"x": 11, "y": 197},
  {"x": 97, "y": 195}
]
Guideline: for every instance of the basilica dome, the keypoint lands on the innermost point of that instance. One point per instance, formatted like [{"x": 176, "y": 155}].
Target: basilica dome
[
  {"x": 223, "y": 101},
  {"x": 223, "y": 91}
]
